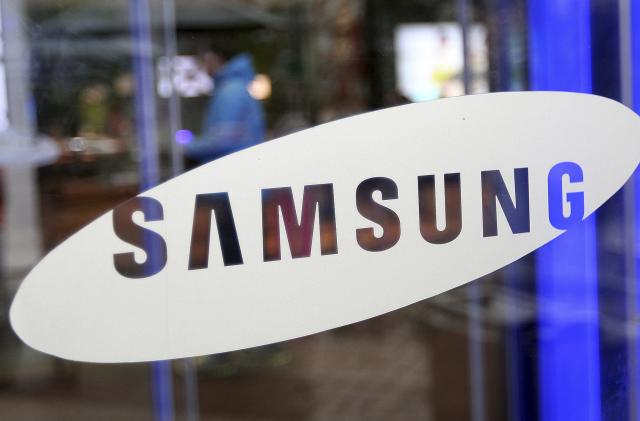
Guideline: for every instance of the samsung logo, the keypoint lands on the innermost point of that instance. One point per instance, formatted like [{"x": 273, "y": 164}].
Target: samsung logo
[
  {"x": 278, "y": 210},
  {"x": 328, "y": 226}
]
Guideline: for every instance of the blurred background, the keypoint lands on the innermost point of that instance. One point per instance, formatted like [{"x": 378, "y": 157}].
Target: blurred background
[{"x": 99, "y": 100}]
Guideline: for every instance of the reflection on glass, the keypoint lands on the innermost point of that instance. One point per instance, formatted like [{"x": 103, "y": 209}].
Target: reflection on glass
[{"x": 70, "y": 150}]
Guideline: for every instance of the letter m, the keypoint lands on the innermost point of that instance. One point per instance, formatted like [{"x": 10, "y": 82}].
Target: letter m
[{"x": 299, "y": 231}]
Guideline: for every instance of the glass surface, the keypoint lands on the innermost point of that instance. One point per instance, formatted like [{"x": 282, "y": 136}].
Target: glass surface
[{"x": 99, "y": 100}]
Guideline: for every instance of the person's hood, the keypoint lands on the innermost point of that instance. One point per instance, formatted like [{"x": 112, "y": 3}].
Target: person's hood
[{"x": 239, "y": 67}]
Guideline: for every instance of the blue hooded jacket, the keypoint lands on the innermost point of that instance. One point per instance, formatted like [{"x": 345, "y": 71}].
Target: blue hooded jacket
[{"x": 233, "y": 119}]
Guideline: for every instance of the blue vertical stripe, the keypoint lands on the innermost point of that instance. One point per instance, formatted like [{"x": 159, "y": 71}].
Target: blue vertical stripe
[
  {"x": 611, "y": 226},
  {"x": 635, "y": 54},
  {"x": 560, "y": 45},
  {"x": 145, "y": 104},
  {"x": 635, "y": 80},
  {"x": 567, "y": 283},
  {"x": 568, "y": 353},
  {"x": 147, "y": 137}
]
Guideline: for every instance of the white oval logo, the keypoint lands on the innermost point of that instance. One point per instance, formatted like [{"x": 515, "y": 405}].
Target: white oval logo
[{"x": 328, "y": 226}]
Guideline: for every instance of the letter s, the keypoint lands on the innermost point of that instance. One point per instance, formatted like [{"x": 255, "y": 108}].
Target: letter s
[
  {"x": 381, "y": 215},
  {"x": 151, "y": 242}
]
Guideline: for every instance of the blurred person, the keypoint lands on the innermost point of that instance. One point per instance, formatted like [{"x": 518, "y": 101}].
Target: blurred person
[{"x": 233, "y": 119}]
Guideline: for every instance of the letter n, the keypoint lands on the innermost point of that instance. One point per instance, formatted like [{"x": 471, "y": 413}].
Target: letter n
[{"x": 494, "y": 190}]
